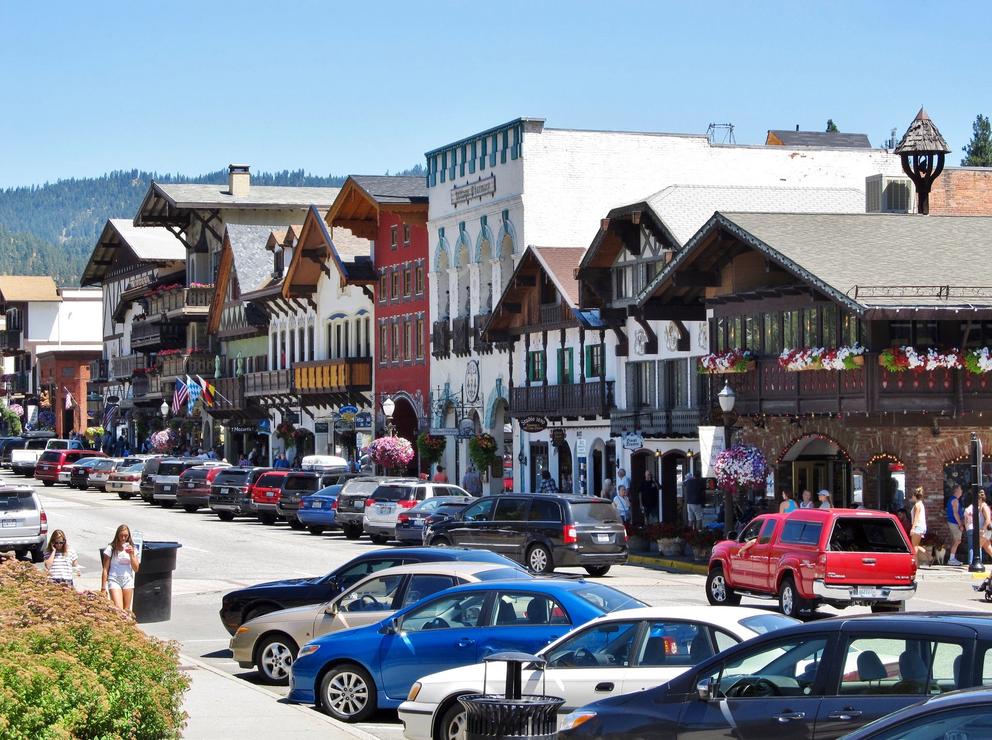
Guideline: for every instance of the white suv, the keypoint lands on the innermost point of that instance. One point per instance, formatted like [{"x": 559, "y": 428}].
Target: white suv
[
  {"x": 384, "y": 505},
  {"x": 23, "y": 522}
]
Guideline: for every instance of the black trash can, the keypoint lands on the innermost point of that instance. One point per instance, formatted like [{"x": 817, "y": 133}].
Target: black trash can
[
  {"x": 512, "y": 716},
  {"x": 153, "y": 582}
]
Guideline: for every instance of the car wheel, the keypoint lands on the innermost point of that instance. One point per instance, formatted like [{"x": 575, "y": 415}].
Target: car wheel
[
  {"x": 439, "y": 542},
  {"x": 789, "y": 600},
  {"x": 124, "y": 496},
  {"x": 275, "y": 658},
  {"x": 597, "y": 571},
  {"x": 267, "y": 518},
  {"x": 83, "y": 487},
  {"x": 452, "y": 726},
  {"x": 38, "y": 555},
  {"x": 347, "y": 693},
  {"x": 718, "y": 593},
  {"x": 167, "y": 504},
  {"x": 889, "y": 606},
  {"x": 353, "y": 533},
  {"x": 48, "y": 483},
  {"x": 539, "y": 559},
  {"x": 315, "y": 529},
  {"x": 191, "y": 508},
  {"x": 225, "y": 516},
  {"x": 379, "y": 539},
  {"x": 295, "y": 523}
]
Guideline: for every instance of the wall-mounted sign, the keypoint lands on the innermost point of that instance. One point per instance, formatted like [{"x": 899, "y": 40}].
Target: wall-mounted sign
[
  {"x": 349, "y": 409},
  {"x": 472, "y": 381},
  {"x": 444, "y": 432},
  {"x": 469, "y": 191},
  {"x": 265, "y": 426},
  {"x": 363, "y": 420},
  {"x": 466, "y": 428},
  {"x": 710, "y": 445},
  {"x": 242, "y": 429},
  {"x": 581, "y": 448},
  {"x": 320, "y": 427},
  {"x": 533, "y": 423},
  {"x": 558, "y": 436},
  {"x": 292, "y": 417},
  {"x": 633, "y": 440}
]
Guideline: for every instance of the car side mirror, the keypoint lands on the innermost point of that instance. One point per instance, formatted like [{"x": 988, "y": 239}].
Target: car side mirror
[
  {"x": 705, "y": 689},
  {"x": 331, "y": 609},
  {"x": 391, "y": 627},
  {"x": 732, "y": 534}
]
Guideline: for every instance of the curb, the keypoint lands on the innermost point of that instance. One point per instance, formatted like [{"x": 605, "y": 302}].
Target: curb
[
  {"x": 343, "y": 728},
  {"x": 678, "y": 566}
]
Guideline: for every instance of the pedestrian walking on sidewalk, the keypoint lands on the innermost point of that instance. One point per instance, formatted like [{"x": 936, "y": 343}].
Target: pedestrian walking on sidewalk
[
  {"x": 955, "y": 525},
  {"x": 547, "y": 483},
  {"x": 60, "y": 559},
  {"x": 918, "y": 529},
  {"x": 440, "y": 476},
  {"x": 472, "y": 481},
  {"x": 622, "y": 504},
  {"x": 120, "y": 563}
]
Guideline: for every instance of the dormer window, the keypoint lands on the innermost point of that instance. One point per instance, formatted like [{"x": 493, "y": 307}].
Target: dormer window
[{"x": 278, "y": 262}]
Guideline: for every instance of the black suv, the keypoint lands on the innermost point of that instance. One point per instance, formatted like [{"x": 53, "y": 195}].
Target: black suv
[
  {"x": 229, "y": 495},
  {"x": 7, "y": 444},
  {"x": 147, "y": 485},
  {"x": 542, "y": 531},
  {"x": 300, "y": 484},
  {"x": 351, "y": 501}
]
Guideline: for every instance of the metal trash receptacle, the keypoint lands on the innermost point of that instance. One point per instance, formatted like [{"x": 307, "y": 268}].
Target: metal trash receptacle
[
  {"x": 153, "y": 582},
  {"x": 512, "y": 716}
]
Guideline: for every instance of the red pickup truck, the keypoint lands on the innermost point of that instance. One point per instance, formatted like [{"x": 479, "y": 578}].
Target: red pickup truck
[{"x": 810, "y": 557}]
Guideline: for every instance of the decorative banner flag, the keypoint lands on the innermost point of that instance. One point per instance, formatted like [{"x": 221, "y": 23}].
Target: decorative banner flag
[
  {"x": 179, "y": 396},
  {"x": 69, "y": 401},
  {"x": 209, "y": 391},
  {"x": 194, "y": 394},
  {"x": 109, "y": 413}
]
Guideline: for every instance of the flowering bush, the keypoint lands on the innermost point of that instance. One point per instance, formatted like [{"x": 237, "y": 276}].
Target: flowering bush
[
  {"x": 732, "y": 361},
  {"x": 93, "y": 433},
  {"x": 431, "y": 447},
  {"x": 391, "y": 452},
  {"x": 740, "y": 468},
  {"x": 12, "y": 420},
  {"x": 482, "y": 450},
  {"x": 901, "y": 359},
  {"x": 843, "y": 358},
  {"x": 17, "y": 409},
  {"x": 163, "y": 441},
  {"x": 978, "y": 361}
]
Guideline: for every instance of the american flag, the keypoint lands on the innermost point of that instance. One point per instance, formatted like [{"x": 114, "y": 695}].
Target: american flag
[
  {"x": 179, "y": 396},
  {"x": 68, "y": 398}
]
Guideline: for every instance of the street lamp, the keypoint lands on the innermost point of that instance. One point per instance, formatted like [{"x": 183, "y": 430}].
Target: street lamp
[
  {"x": 727, "y": 399},
  {"x": 164, "y": 410},
  {"x": 388, "y": 407}
]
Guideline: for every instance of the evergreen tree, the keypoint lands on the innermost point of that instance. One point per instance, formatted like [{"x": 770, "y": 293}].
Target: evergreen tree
[
  {"x": 978, "y": 153},
  {"x": 832, "y": 127}
]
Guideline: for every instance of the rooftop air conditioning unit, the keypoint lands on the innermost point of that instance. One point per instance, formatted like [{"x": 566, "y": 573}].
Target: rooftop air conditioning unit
[{"x": 887, "y": 194}]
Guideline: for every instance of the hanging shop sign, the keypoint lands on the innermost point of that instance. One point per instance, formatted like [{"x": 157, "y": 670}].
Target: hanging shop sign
[
  {"x": 265, "y": 427},
  {"x": 444, "y": 432},
  {"x": 557, "y": 436},
  {"x": 363, "y": 420},
  {"x": 533, "y": 424},
  {"x": 320, "y": 427},
  {"x": 633, "y": 440},
  {"x": 469, "y": 191},
  {"x": 472, "y": 382},
  {"x": 466, "y": 428},
  {"x": 242, "y": 429}
]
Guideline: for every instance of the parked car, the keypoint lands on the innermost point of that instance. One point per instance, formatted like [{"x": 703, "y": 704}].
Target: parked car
[
  {"x": 104, "y": 469},
  {"x": 147, "y": 487},
  {"x": 542, "y": 531},
  {"x": 271, "y": 642},
  {"x": 23, "y": 522},
  {"x": 238, "y": 607},
  {"x": 810, "y": 557},
  {"x": 410, "y": 524},
  {"x": 77, "y": 474},
  {"x": 352, "y": 499},
  {"x": 230, "y": 492},
  {"x": 193, "y": 491},
  {"x": 265, "y": 494},
  {"x": 52, "y": 463},
  {"x": 24, "y": 458},
  {"x": 167, "y": 479},
  {"x": 388, "y": 500},
  {"x": 126, "y": 481},
  {"x": 350, "y": 674},
  {"x": 957, "y": 715},
  {"x": 6, "y": 445},
  {"x": 319, "y": 510},
  {"x": 299, "y": 483},
  {"x": 620, "y": 653},
  {"x": 834, "y": 675}
]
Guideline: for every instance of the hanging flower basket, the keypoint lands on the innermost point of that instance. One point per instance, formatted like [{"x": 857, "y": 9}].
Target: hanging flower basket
[
  {"x": 431, "y": 447},
  {"x": 740, "y": 468},
  {"x": 843, "y": 358},
  {"x": 17, "y": 409},
  {"x": 482, "y": 450},
  {"x": 286, "y": 431},
  {"x": 722, "y": 363},
  {"x": 93, "y": 433},
  {"x": 391, "y": 453},
  {"x": 163, "y": 441}
]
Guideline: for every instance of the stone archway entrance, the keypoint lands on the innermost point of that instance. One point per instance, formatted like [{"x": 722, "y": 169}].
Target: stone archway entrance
[
  {"x": 407, "y": 424},
  {"x": 815, "y": 462},
  {"x": 674, "y": 468}
]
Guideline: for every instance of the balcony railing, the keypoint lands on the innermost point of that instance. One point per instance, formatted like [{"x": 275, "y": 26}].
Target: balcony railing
[
  {"x": 269, "y": 383},
  {"x": 124, "y": 366},
  {"x": 10, "y": 340},
  {"x": 146, "y": 386},
  {"x": 180, "y": 303},
  {"x": 461, "y": 336},
  {"x": 333, "y": 376},
  {"x": 229, "y": 396},
  {"x": 153, "y": 335},
  {"x": 555, "y": 314},
  {"x": 675, "y": 422},
  {"x": 17, "y": 382},
  {"x": 181, "y": 364},
  {"x": 588, "y": 399},
  {"x": 98, "y": 370},
  {"x": 441, "y": 338}
]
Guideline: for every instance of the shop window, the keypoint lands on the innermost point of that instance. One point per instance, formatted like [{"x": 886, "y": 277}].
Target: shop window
[
  {"x": 790, "y": 330},
  {"x": 536, "y": 366},
  {"x": 773, "y": 333},
  {"x": 594, "y": 361}
]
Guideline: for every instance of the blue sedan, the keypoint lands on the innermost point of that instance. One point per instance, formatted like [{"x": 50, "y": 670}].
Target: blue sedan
[
  {"x": 350, "y": 674},
  {"x": 319, "y": 510}
]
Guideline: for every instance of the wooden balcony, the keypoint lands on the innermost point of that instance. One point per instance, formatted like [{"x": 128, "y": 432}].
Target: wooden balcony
[
  {"x": 676, "y": 422},
  {"x": 333, "y": 382},
  {"x": 441, "y": 338},
  {"x": 461, "y": 335},
  {"x": 199, "y": 363},
  {"x": 148, "y": 387},
  {"x": 10, "y": 341},
  {"x": 98, "y": 370},
  {"x": 478, "y": 324},
  {"x": 152, "y": 335},
  {"x": 229, "y": 399},
  {"x": 180, "y": 304},
  {"x": 556, "y": 401},
  {"x": 124, "y": 366},
  {"x": 272, "y": 384},
  {"x": 17, "y": 382},
  {"x": 769, "y": 389},
  {"x": 555, "y": 316}
]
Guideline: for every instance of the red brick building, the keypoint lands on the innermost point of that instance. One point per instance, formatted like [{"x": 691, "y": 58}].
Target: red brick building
[
  {"x": 61, "y": 374},
  {"x": 392, "y": 211},
  {"x": 962, "y": 191}
]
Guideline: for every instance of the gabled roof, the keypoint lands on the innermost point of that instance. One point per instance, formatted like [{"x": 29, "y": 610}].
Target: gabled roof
[
  {"x": 121, "y": 239},
  {"x": 362, "y": 197},
  {"x": 823, "y": 139},
  {"x": 393, "y": 188},
  {"x": 560, "y": 264},
  {"x": 27, "y": 288},
  {"x": 870, "y": 263},
  {"x": 252, "y": 262},
  {"x": 352, "y": 256}
]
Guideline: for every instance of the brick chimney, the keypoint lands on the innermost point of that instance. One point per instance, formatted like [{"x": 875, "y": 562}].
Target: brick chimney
[{"x": 238, "y": 179}]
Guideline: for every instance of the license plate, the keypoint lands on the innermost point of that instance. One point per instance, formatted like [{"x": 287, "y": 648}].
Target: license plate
[
  {"x": 604, "y": 537},
  {"x": 166, "y": 488},
  {"x": 316, "y": 505},
  {"x": 868, "y": 591},
  {"x": 8, "y": 523},
  {"x": 270, "y": 494},
  {"x": 417, "y": 520},
  {"x": 191, "y": 485}
]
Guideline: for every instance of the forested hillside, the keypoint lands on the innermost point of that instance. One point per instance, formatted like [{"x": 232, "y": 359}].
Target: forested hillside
[{"x": 50, "y": 229}]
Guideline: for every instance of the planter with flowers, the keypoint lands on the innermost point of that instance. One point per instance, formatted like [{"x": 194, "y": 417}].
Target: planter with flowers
[
  {"x": 843, "y": 358},
  {"x": 722, "y": 363},
  {"x": 901, "y": 359},
  {"x": 670, "y": 540},
  {"x": 978, "y": 361},
  {"x": 701, "y": 541},
  {"x": 482, "y": 451},
  {"x": 163, "y": 441},
  {"x": 431, "y": 447},
  {"x": 821, "y": 358},
  {"x": 391, "y": 453}
]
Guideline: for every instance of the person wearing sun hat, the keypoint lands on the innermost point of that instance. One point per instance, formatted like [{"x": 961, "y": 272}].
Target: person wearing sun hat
[{"x": 824, "y": 495}]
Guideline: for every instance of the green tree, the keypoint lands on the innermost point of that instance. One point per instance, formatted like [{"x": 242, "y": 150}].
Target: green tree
[
  {"x": 832, "y": 127},
  {"x": 978, "y": 153}
]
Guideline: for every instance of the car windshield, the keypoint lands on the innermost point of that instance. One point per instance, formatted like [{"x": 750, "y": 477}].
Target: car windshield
[
  {"x": 171, "y": 468},
  {"x": 606, "y": 598},
  {"x": 503, "y": 574},
  {"x": 864, "y": 534},
  {"x": 232, "y": 477},
  {"x": 594, "y": 513},
  {"x": 104, "y": 464},
  {"x": 17, "y": 500},
  {"x": 50, "y": 456},
  {"x": 60, "y": 445},
  {"x": 765, "y": 623},
  {"x": 449, "y": 509}
]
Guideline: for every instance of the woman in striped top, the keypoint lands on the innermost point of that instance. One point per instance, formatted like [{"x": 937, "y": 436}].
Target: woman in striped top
[{"x": 60, "y": 559}]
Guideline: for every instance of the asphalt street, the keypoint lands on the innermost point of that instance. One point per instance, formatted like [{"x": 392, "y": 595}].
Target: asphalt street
[{"x": 220, "y": 556}]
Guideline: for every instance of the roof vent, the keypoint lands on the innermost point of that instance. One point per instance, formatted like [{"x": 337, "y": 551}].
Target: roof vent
[{"x": 238, "y": 179}]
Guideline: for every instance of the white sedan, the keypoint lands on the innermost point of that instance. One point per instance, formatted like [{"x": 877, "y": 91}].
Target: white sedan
[{"x": 620, "y": 653}]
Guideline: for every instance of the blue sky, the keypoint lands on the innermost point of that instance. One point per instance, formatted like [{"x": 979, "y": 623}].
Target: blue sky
[{"x": 365, "y": 87}]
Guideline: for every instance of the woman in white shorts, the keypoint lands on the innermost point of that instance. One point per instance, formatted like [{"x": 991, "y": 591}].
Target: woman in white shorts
[
  {"x": 919, "y": 520},
  {"x": 120, "y": 563}
]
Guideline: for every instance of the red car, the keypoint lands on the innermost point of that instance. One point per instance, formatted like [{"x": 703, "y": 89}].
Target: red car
[
  {"x": 265, "y": 494},
  {"x": 193, "y": 490},
  {"x": 53, "y": 462},
  {"x": 810, "y": 557}
]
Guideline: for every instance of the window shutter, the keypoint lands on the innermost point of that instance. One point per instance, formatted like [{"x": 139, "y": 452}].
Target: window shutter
[{"x": 632, "y": 395}]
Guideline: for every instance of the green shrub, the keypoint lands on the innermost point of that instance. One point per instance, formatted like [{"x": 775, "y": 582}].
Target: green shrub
[{"x": 73, "y": 666}]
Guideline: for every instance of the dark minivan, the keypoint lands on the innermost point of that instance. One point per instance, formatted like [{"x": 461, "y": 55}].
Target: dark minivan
[
  {"x": 302, "y": 483},
  {"x": 229, "y": 495},
  {"x": 542, "y": 531}
]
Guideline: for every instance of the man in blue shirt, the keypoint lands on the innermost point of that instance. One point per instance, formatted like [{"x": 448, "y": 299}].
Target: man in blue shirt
[{"x": 547, "y": 483}]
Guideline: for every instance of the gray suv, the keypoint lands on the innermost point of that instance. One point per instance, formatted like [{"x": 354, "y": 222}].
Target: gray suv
[{"x": 23, "y": 522}]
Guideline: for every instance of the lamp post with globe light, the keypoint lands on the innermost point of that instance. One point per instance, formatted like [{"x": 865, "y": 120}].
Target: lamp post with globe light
[
  {"x": 388, "y": 407},
  {"x": 727, "y": 399}
]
